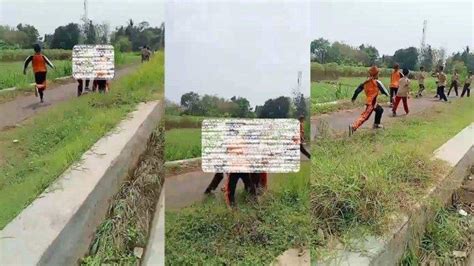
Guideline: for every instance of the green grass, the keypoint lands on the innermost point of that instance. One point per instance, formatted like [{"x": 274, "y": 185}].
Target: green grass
[
  {"x": 8, "y": 55},
  {"x": 357, "y": 183},
  {"x": 253, "y": 234},
  {"x": 183, "y": 121},
  {"x": 49, "y": 143},
  {"x": 447, "y": 232},
  {"x": 182, "y": 143}
]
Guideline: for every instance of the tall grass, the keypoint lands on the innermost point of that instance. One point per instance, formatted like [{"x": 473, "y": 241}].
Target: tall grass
[
  {"x": 358, "y": 183},
  {"x": 49, "y": 143},
  {"x": 182, "y": 143},
  {"x": 20, "y": 54},
  {"x": 254, "y": 234}
]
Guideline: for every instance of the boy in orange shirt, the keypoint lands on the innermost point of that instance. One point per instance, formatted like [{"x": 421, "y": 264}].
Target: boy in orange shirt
[
  {"x": 394, "y": 80},
  {"x": 39, "y": 62},
  {"x": 402, "y": 93},
  {"x": 371, "y": 87}
]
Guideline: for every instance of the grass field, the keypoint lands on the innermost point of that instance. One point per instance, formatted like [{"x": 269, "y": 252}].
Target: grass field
[
  {"x": 182, "y": 143},
  {"x": 252, "y": 234},
  {"x": 49, "y": 143},
  {"x": 12, "y": 72},
  {"x": 357, "y": 183},
  {"x": 20, "y": 54}
]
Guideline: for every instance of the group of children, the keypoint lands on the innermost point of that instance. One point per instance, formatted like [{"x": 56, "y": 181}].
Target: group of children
[
  {"x": 400, "y": 91},
  {"x": 40, "y": 63}
]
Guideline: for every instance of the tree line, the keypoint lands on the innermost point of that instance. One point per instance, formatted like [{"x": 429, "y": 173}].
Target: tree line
[
  {"x": 323, "y": 51},
  {"x": 130, "y": 37},
  {"x": 239, "y": 107}
]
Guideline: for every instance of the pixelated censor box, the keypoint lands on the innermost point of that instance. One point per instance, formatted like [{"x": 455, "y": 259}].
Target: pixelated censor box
[
  {"x": 250, "y": 145},
  {"x": 93, "y": 62}
]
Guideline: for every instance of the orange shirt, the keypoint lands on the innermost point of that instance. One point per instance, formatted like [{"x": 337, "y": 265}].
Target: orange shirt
[
  {"x": 395, "y": 79},
  {"x": 371, "y": 90},
  {"x": 39, "y": 64}
]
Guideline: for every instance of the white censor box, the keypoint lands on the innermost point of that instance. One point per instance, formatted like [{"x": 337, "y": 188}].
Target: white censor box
[
  {"x": 93, "y": 62},
  {"x": 250, "y": 145}
]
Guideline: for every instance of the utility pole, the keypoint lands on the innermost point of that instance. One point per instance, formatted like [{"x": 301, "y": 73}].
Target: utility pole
[{"x": 423, "y": 42}]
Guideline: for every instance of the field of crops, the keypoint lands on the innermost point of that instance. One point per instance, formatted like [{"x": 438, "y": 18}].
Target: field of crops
[{"x": 21, "y": 54}]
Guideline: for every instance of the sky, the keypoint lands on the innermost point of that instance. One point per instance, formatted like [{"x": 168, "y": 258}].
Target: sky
[
  {"x": 47, "y": 15},
  {"x": 391, "y": 25},
  {"x": 251, "y": 49}
]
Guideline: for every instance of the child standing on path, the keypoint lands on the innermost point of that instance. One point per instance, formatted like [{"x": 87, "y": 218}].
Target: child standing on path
[
  {"x": 421, "y": 81},
  {"x": 441, "y": 83},
  {"x": 302, "y": 139},
  {"x": 467, "y": 85},
  {"x": 394, "y": 80},
  {"x": 454, "y": 83},
  {"x": 402, "y": 94},
  {"x": 371, "y": 87},
  {"x": 39, "y": 62}
]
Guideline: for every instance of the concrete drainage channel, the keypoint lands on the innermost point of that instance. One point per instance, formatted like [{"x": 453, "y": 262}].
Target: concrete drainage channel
[
  {"x": 57, "y": 228},
  {"x": 458, "y": 153}
]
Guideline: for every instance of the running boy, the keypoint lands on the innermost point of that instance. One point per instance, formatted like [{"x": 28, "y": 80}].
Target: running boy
[
  {"x": 394, "y": 79},
  {"x": 454, "y": 83},
  {"x": 402, "y": 94},
  {"x": 467, "y": 85},
  {"x": 371, "y": 87},
  {"x": 39, "y": 62},
  {"x": 441, "y": 83},
  {"x": 421, "y": 81}
]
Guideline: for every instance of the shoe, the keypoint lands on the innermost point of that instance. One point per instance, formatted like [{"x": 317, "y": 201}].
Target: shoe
[
  {"x": 378, "y": 126},
  {"x": 207, "y": 191},
  {"x": 394, "y": 113}
]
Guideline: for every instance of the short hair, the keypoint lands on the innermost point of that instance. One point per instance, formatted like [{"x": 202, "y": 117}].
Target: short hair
[
  {"x": 422, "y": 67},
  {"x": 37, "y": 47},
  {"x": 405, "y": 71},
  {"x": 396, "y": 66},
  {"x": 301, "y": 117},
  {"x": 441, "y": 68}
]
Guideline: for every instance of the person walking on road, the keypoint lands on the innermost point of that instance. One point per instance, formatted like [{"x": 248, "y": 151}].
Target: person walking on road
[
  {"x": 38, "y": 62},
  {"x": 467, "y": 85},
  {"x": 394, "y": 80},
  {"x": 441, "y": 83},
  {"x": 402, "y": 94},
  {"x": 421, "y": 81},
  {"x": 454, "y": 83},
  {"x": 372, "y": 86}
]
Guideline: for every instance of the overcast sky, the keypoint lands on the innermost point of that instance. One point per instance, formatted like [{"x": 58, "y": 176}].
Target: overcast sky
[
  {"x": 392, "y": 25},
  {"x": 252, "y": 49},
  {"x": 47, "y": 15}
]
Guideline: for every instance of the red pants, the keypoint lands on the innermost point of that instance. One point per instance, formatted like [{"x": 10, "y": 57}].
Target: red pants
[{"x": 397, "y": 101}]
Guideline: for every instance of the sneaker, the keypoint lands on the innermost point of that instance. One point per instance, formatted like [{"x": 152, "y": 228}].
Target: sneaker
[
  {"x": 378, "y": 126},
  {"x": 207, "y": 191}
]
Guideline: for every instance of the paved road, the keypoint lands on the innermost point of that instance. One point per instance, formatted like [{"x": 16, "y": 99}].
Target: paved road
[
  {"x": 339, "y": 121},
  {"x": 23, "y": 107}
]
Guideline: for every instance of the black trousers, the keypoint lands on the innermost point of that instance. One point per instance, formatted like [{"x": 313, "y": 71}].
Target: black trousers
[
  {"x": 80, "y": 86},
  {"x": 393, "y": 92},
  {"x": 441, "y": 94},
  {"x": 232, "y": 185},
  {"x": 465, "y": 90},
  {"x": 454, "y": 84},
  {"x": 216, "y": 180},
  {"x": 304, "y": 151},
  {"x": 421, "y": 89},
  {"x": 378, "y": 114}
]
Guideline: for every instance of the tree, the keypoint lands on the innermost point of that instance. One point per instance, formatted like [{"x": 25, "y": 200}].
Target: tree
[
  {"x": 320, "y": 48},
  {"x": 65, "y": 37},
  {"x": 191, "y": 103},
  {"x": 243, "y": 108},
  {"x": 371, "y": 52},
  {"x": 300, "y": 105},
  {"x": 427, "y": 58},
  {"x": 90, "y": 32},
  {"x": 31, "y": 34},
  {"x": 275, "y": 108},
  {"x": 407, "y": 58}
]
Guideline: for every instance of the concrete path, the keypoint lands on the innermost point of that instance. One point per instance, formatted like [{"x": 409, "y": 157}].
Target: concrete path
[{"x": 23, "y": 107}]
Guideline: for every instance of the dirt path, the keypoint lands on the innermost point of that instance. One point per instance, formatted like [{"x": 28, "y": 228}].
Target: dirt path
[
  {"x": 24, "y": 107},
  {"x": 339, "y": 121},
  {"x": 184, "y": 189}
]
